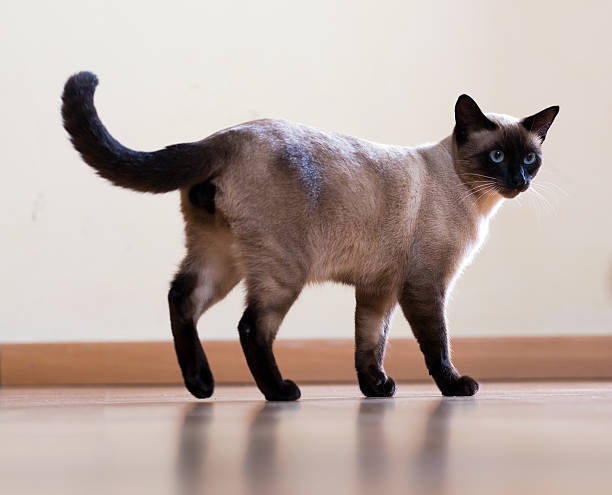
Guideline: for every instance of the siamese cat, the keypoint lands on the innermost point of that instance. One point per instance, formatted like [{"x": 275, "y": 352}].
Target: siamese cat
[{"x": 281, "y": 205}]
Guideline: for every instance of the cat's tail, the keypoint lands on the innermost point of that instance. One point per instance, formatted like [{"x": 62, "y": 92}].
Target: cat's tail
[{"x": 173, "y": 167}]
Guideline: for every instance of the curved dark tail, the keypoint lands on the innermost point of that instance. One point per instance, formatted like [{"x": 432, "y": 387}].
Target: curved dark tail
[{"x": 173, "y": 167}]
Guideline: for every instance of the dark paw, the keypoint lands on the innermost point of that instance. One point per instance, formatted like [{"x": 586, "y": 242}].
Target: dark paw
[
  {"x": 288, "y": 392},
  {"x": 384, "y": 386},
  {"x": 200, "y": 386},
  {"x": 462, "y": 386}
]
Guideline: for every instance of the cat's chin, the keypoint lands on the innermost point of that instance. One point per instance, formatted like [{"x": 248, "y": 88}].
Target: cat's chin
[{"x": 511, "y": 193}]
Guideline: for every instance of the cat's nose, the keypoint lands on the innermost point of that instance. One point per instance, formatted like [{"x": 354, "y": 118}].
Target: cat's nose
[
  {"x": 518, "y": 180},
  {"x": 518, "y": 183}
]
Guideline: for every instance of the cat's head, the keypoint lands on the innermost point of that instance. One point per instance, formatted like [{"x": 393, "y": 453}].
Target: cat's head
[{"x": 498, "y": 153}]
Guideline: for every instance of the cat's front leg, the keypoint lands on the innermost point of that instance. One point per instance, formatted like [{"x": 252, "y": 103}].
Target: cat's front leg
[
  {"x": 372, "y": 314},
  {"x": 422, "y": 301}
]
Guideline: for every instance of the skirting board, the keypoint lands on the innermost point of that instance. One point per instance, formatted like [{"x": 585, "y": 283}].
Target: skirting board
[{"x": 303, "y": 360}]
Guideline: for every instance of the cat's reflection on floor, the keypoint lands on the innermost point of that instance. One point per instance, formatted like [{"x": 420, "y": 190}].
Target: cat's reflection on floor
[
  {"x": 373, "y": 462},
  {"x": 193, "y": 446},
  {"x": 430, "y": 467},
  {"x": 261, "y": 462},
  {"x": 259, "y": 467},
  {"x": 376, "y": 461}
]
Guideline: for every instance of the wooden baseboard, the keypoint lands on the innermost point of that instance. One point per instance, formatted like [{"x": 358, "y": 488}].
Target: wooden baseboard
[{"x": 303, "y": 360}]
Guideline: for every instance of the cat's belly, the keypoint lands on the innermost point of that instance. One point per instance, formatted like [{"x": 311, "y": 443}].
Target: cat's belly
[{"x": 354, "y": 262}]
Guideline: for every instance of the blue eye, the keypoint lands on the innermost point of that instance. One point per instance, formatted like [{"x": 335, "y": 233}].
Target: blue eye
[
  {"x": 496, "y": 156},
  {"x": 529, "y": 159}
]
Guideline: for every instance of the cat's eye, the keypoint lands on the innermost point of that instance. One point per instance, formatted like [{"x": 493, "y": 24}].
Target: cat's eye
[
  {"x": 529, "y": 159},
  {"x": 496, "y": 156}
]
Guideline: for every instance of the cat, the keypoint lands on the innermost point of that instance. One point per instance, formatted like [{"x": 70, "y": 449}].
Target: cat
[{"x": 281, "y": 205}]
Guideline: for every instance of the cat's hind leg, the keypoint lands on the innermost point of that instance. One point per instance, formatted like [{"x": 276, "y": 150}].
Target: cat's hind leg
[
  {"x": 268, "y": 301},
  {"x": 372, "y": 315},
  {"x": 197, "y": 286}
]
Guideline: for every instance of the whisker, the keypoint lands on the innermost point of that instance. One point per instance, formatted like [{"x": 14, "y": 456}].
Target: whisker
[
  {"x": 482, "y": 186},
  {"x": 557, "y": 187},
  {"x": 480, "y": 182},
  {"x": 472, "y": 174},
  {"x": 482, "y": 190},
  {"x": 476, "y": 190},
  {"x": 543, "y": 206},
  {"x": 551, "y": 208},
  {"x": 537, "y": 205}
]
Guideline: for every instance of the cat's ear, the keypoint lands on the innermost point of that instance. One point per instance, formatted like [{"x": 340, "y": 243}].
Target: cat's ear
[
  {"x": 540, "y": 122},
  {"x": 469, "y": 118}
]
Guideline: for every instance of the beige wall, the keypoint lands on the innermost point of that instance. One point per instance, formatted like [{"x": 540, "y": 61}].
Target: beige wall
[{"x": 86, "y": 261}]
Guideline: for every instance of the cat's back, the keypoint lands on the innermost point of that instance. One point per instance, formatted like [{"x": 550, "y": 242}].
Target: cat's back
[
  {"x": 309, "y": 161},
  {"x": 332, "y": 197}
]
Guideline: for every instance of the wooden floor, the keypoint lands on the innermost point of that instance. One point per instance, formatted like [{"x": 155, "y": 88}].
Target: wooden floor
[{"x": 514, "y": 438}]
